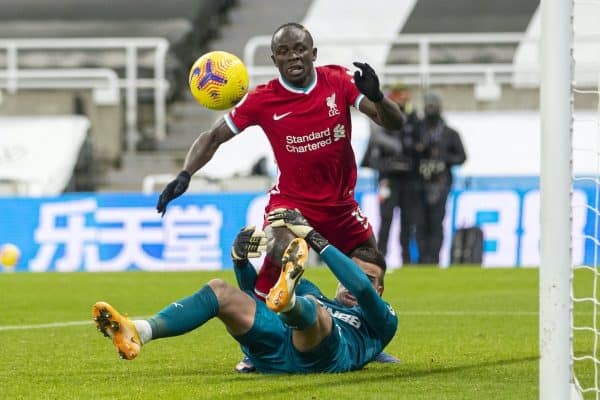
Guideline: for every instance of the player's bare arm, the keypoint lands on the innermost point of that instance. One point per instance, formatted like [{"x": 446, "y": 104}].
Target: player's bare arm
[
  {"x": 205, "y": 146},
  {"x": 201, "y": 151},
  {"x": 376, "y": 106},
  {"x": 385, "y": 113}
]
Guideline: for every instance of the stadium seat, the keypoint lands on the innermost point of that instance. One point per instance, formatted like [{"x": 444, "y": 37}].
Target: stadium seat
[{"x": 186, "y": 24}]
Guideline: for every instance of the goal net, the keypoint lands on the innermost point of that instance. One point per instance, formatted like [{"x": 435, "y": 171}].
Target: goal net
[
  {"x": 585, "y": 328},
  {"x": 585, "y": 361},
  {"x": 585, "y": 239}
]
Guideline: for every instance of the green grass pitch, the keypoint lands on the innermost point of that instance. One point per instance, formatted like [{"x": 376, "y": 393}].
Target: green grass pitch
[{"x": 464, "y": 333}]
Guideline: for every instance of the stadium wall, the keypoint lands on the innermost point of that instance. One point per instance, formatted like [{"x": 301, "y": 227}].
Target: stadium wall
[{"x": 119, "y": 232}]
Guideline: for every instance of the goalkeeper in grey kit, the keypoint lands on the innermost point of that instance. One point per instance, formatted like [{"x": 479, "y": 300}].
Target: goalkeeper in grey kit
[{"x": 298, "y": 329}]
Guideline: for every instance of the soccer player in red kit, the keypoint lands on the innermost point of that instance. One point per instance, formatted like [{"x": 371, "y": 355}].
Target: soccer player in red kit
[{"x": 305, "y": 114}]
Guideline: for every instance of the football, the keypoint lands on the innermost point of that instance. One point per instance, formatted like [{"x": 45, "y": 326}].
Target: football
[
  {"x": 218, "y": 80},
  {"x": 9, "y": 255}
]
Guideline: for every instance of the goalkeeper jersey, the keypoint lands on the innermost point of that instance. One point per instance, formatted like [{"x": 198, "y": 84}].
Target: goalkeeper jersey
[
  {"x": 366, "y": 335},
  {"x": 359, "y": 333}
]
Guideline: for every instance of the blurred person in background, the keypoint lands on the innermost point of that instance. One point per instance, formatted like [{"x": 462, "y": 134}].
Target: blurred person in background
[
  {"x": 393, "y": 153},
  {"x": 440, "y": 149}
]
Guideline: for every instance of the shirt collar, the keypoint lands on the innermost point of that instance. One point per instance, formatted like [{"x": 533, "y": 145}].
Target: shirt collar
[{"x": 295, "y": 89}]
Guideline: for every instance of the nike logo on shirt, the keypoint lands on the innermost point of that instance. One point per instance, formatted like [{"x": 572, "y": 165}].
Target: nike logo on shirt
[{"x": 278, "y": 117}]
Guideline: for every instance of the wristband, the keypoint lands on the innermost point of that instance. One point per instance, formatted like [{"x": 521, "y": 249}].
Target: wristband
[
  {"x": 378, "y": 98},
  {"x": 185, "y": 174},
  {"x": 316, "y": 241}
]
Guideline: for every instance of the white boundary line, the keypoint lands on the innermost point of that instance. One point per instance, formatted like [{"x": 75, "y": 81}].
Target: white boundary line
[
  {"x": 400, "y": 313},
  {"x": 43, "y": 326},
  {"x": 467, "y": 313},
  {"x": 50, "y": 325}
]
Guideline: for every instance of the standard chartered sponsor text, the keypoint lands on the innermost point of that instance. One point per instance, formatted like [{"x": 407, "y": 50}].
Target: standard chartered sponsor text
[{"x": 310, "y": 142}]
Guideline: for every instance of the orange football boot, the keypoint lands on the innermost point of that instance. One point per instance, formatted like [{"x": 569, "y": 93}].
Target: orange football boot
[
  {"x": 292, "y": 268},
  {"x": 119, "y": 328}
]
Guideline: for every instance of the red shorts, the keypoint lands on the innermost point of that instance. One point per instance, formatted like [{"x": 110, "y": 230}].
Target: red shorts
[{"x": 343, "y": 224}]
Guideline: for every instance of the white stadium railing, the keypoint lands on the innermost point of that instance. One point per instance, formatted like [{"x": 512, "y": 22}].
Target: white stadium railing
[
  {"x": 104, "y": 82},
  {"x": 16, "y": 77},
  {"x": 426, "y": 71}
]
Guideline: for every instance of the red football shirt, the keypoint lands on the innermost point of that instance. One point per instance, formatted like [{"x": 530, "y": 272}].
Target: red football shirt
[{"x": 309, "y": 130}]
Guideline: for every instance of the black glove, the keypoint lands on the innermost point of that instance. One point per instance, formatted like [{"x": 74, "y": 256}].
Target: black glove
[
  {"x": 249, "y": 243},
  {"x": 367, "y": 82},
  {"x": 174, "y": 189},
  {"x": 295, "y": 222}
]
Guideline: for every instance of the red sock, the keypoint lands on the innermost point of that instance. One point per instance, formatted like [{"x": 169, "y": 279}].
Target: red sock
[{"x": 267, "y": 277}]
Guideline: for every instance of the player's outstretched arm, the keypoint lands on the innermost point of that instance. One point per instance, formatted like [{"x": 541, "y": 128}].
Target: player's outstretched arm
[
  {"x": 249, "y": 243},
  {"x": 376, "y": 106},
  {"x": 350, "y": 275},
  {"x": 201, "y": 151},
  {"x": 378, "y": 315},
  {"x": 345, "y": 270}
]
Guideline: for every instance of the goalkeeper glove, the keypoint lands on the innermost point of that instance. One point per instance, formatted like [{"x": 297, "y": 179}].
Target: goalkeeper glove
[
  {"x": 249, "y": 243},
  {"x": 299, "y": 226},
  {"x": 174, "y": 189},
  {"x": 367, "y": 82}
]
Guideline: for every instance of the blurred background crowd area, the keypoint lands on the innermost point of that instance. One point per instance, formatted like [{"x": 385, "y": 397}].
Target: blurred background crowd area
[{"x": 94, "y": 97}]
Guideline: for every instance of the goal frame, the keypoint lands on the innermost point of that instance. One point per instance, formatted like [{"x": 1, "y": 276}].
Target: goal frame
[{"x": 556, "y": 109}]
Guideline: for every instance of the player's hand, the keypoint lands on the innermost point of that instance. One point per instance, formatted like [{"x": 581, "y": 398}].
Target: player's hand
[
  {"x": 249, "y": 243},
  {"x": 299, "y": 226},
  {"x": 174, "y": 189},
  {"x": 291, "y": 219},
  {"x": 367, "y": 82}
]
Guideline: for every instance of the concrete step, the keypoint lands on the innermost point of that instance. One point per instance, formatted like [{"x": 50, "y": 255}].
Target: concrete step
[
  {"x": 186, "y": 120},
  {"x": 135, "y": 166},
  {"x": 257, "y": 17},
  {"x": 448, "y": 54},
  {"x": 458, "y": 16}
]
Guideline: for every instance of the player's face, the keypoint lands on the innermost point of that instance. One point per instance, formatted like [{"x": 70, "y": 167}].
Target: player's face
[
  {"x": 294, "y": 55},
  {"x": 375, "y": 275}
]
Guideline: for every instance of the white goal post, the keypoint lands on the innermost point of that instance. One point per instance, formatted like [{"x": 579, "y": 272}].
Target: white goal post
[{"x": 555, "y": 193}]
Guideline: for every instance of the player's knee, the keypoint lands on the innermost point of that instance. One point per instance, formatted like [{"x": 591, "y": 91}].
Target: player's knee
[
  {"x": 312, "y": 298},
  {"x": 275, "y": 252},
  {"x": 322, "y": 314},
  {"x": 280, "y": 239},
  {"x": 220, "y": 287}
]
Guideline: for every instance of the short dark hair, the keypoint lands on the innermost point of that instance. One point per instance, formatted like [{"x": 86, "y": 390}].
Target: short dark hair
[
  {"x": 370, "y": 255},
  {"x": 292, "y": 25}
]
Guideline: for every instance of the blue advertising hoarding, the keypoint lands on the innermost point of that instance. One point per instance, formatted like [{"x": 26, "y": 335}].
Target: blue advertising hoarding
[{"x": 117, "y": 232}]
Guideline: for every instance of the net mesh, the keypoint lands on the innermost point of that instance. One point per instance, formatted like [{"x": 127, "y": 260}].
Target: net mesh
[
  {"x": 585, "y": 301},
  {"x": 585, "y": 213}
]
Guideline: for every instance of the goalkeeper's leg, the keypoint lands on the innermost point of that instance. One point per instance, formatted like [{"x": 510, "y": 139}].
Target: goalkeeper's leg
[{"x": 233, "y": 307}]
